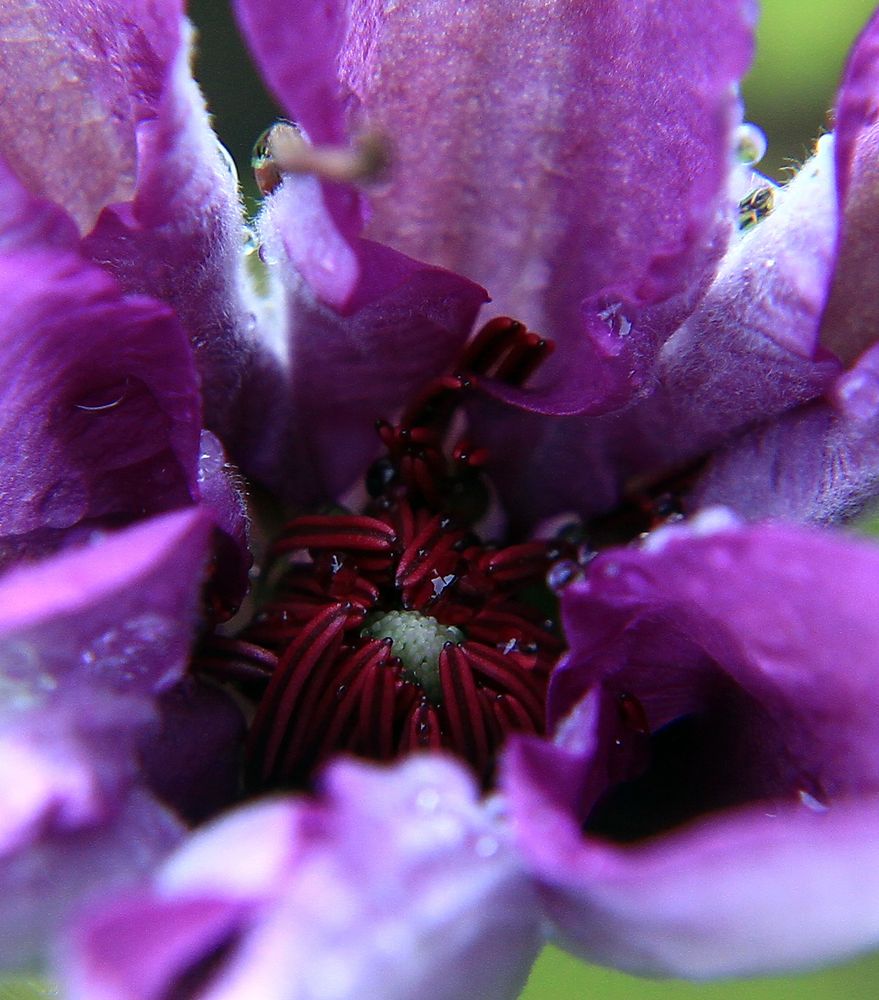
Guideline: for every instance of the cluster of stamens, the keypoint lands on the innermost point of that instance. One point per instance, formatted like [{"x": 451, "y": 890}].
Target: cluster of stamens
[{"x": 397, "y": 629}]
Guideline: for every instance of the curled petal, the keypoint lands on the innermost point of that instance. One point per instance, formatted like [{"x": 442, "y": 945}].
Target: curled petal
[
  {"x": 394, "y": 882},
  {"x": 365, "y": 334},
  {"x": 851, "y": 320},
  {"x": 754, "y": 648},
  {"x": 752, "y": 893},
  {"x": 114, "y": 422},
  {"x": 548, "y": 191},
  {"x": 179, "y": 236}
]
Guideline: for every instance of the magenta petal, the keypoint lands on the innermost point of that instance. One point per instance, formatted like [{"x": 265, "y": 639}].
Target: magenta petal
[
  {"x": 119, "y": 612},
  {"x": 564, "y": 196},
  {"x": 180, "y": 236},
  {"x": 748, "y": 353},
  {"x": 100, "y": 404},
  {"x": 748, "y": 893},
  {"x": 763, "y": 642},
  {"x": 360, "y": 344},
  {"x": 397, "y": 883},
  {"x": 852, "y": 315}
]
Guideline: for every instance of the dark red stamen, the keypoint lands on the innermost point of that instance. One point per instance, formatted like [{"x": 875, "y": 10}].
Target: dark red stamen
[{"x": 472, "y": 659}]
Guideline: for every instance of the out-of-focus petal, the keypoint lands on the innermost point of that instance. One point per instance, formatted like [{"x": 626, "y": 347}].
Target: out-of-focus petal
[
  {"x": 566, "y": 192},
  {"x": 100, "y": 405},
  {"x": 76, "y": 81},
  {"x": 852, "y": 317},
  {"x": 72, "y": 821},
  {"x": 193, "y": 760},
  {"x": 765, "y": 635},
  {"x": 398, "y": 881},
  {"x": 749, "y": 893},
  {"x": 346, "y": 359},
  {"x": 118, "y": 612}
]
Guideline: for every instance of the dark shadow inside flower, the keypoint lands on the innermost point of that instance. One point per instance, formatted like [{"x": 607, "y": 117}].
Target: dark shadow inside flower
[
  {"x": 687, "y": 740},
  {"x": 196, "y": 979}
]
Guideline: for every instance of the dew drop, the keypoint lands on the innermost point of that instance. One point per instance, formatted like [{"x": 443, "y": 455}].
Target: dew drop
[
  {"x": 561, "y": 574},
  {"x": 750, "y": 144},
  {"x": 427, "y": 800},
  {"x": 487, "y": 846}
]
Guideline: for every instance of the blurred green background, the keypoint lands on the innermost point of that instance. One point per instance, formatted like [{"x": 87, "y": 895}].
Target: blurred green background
[{"x": 789, "y": 93}]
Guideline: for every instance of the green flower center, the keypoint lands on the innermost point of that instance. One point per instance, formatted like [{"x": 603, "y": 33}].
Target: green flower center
[{"x": 418, "y": 641}]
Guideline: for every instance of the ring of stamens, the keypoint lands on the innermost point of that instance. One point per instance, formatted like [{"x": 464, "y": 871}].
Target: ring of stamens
[{"x": 397, "y": 629}]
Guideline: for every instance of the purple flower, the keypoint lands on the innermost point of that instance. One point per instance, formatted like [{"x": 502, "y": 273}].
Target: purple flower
[
  {"x": 579, "y": 162},
  {"x": 709, "y": 804}
]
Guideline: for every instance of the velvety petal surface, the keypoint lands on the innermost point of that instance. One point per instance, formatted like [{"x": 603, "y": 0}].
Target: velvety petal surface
[
  {"x": 76, "y": 80},
  {"x": 816, "y": 464},
  {"x": 100, "y": 406},
  {"x": 180, "y": 235},
  {"x": 852, "y": 316},
  {"x": 352, "y": 351},
  {"x": 741, "y": 851},
  {"x": 748, "y": 353},
  {"x": 72, "y": 822},
  {"x": 570, "y": 158},
  {"x": 395, "y": 882}
]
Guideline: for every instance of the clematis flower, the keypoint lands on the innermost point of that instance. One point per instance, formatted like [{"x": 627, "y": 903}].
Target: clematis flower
[{"x": 592, "y": 188}]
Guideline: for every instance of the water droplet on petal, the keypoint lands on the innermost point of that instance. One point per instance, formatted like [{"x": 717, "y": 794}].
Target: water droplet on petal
[
  {"x": 487, "y": 846},
  {"x": 427, "y": 800},
  {"x": 750, "y": 144},
  {"x": 561, "y": 574},
  {"x": 810, "y": 802}
]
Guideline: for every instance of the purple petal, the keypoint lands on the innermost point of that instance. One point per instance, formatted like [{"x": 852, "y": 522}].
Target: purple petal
[
  {"x": 818, "y": 463},
  {"x": 354, "y": 352},
  {"x": 398, "y": 881},
  {"x": 852, "y": 317},
  {"x": 114, "y": 423},
  {"x": 193, "y": 762},
  {"x": 222, "y": 493},
  {"x": 763, "y": 641},
  {"x": 180, "y": 237},
  {"x": 71, "y": 822},
  {"x": 76, "y": 81},
  {"x": 748, "y": 893},
  {"x": 564, "y": 196},
  {"x": 119, "y": 612},
  {"x": 748, "y": 353}
]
